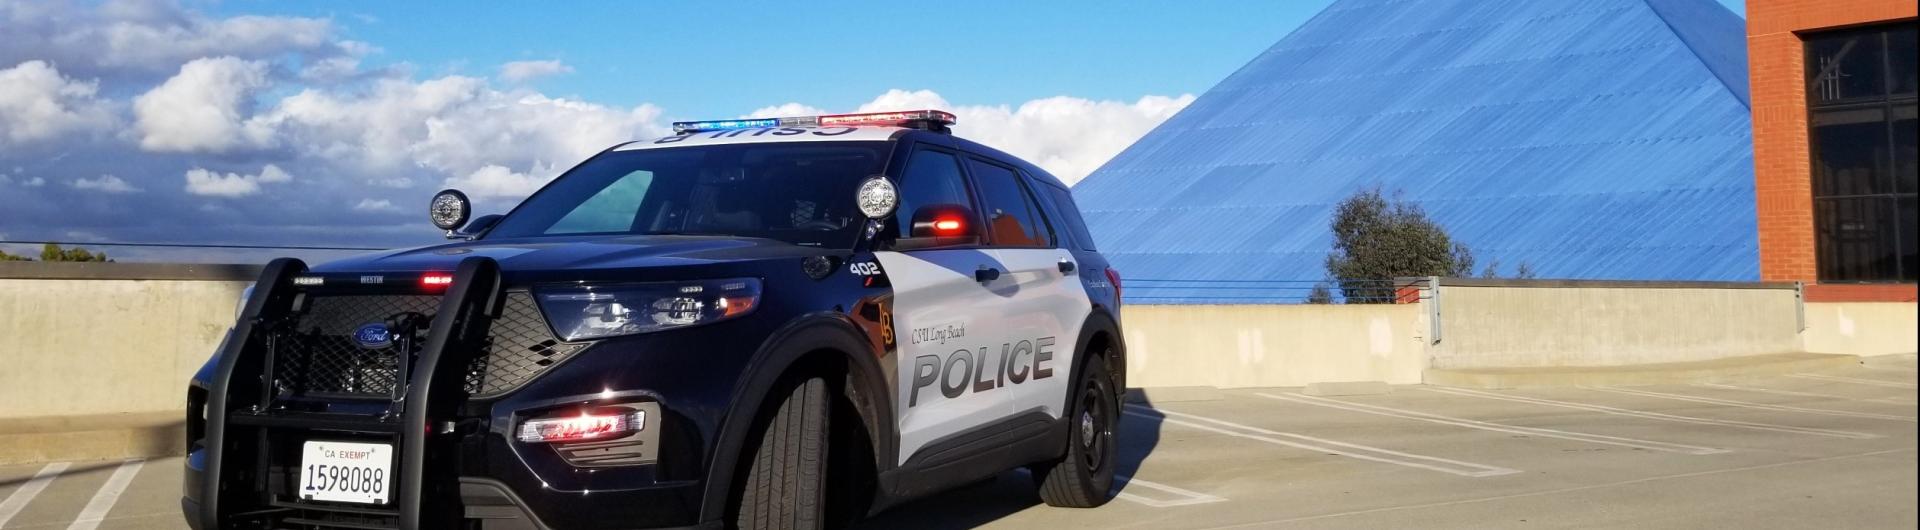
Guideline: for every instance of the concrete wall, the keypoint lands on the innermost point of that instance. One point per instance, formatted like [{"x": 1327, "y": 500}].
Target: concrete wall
[
  {"x": 1231, "y": 346},
  {"x": 1519, "y": 323},
  {"x": 1863, "y": 328},
  {"x": 98, "y": 339},
  {"x": 76, "y": 343}
]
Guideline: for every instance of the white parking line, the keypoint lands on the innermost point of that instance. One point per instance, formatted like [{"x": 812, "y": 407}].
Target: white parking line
[
  {"x": 108, "y": 494},
  {"x": 1191, "y": 497},
  {"x": 1499, "y": 427},
  {"x": 1895, "y": 401},
  {"x": 1122, "y": 482},
  {"x": 1874, "y": 382},
  {"x": 20, "y": 497},
  {"x": 1362, "y": 452},
  {"x": 1653, "y": 415},
  {"x": 1752, "y": 405}
]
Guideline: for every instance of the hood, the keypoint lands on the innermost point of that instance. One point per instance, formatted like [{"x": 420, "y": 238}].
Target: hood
[{"x": 576, "y": 253}]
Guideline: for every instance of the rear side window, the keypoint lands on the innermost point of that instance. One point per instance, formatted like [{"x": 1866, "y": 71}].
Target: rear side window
[
  {"x": 1012, "y": 218},
  {"x": 931, "y": 177},
  {"x": 1070, "y": 216}
]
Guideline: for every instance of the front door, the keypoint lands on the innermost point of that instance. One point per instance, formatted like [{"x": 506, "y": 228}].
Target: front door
[{"x": 949, "y": 324}]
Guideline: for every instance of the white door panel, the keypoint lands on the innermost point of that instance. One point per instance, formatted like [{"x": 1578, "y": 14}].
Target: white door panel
[{"x": 950, "y": 329}]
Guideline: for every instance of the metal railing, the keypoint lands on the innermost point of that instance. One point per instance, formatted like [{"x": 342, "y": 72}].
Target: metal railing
[{"x": 1179, "y": 290}]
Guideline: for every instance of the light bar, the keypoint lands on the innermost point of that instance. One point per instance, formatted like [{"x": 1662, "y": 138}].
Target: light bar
[
  {"x": 933, "y": 119},
  {"x": 436, "y": 280},
  {"x": 582, "y": 427}
]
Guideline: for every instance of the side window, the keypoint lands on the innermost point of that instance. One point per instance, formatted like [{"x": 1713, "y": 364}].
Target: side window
[
  {"x": 1070, "y": 215},
  {"x": 931, "y": 177},
  {"x": 1012, "y": 218},
  {"x": 610, "y": 210}
]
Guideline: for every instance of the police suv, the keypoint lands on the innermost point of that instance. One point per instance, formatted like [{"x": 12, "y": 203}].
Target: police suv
[{"x": 766, "y": 323}]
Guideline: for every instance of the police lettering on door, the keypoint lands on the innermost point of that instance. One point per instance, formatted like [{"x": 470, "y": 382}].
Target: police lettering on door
[{"x": 978, "y": 371}]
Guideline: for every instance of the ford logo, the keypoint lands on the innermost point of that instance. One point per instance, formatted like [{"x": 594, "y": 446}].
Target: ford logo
[{"x": 373, "y": 336}]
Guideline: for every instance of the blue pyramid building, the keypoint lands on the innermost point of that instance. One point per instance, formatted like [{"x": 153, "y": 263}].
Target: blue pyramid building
[{"x": 1592, "y": 139}]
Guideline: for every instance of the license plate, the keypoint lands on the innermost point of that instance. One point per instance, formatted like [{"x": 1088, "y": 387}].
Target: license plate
[{"x": 346, "y": 472}]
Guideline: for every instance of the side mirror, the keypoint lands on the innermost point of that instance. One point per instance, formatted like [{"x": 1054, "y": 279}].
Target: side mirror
[
  {"x": 940, "y": 225},
  {"x": 449, "y": 210}
]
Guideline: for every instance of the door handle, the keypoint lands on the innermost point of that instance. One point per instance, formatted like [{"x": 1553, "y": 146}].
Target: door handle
[
  {"x": 1066, "y": 267},
  {"x": 986, "y": 274}
]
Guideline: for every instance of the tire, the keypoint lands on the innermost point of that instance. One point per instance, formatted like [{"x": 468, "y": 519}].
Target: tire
[
  {"x": 1083, "y": 476},
  {"x": 784, "y": 482}
]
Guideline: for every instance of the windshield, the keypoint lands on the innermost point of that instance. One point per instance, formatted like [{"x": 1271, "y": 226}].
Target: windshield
[{"x": 800, "y": 193}]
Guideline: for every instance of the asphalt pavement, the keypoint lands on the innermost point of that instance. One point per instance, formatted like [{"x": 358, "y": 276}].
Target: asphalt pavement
[{"x": 1834, "y": 449}]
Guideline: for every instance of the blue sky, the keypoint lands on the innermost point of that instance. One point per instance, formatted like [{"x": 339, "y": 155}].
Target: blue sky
[
  {"x": 720, "y": 59},
  {"x": 309, "y": 123}
]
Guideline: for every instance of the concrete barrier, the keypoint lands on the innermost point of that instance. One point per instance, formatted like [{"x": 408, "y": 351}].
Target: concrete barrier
[
  {"x": 1863, "y": 328},
  {"x": 85, "y": 339},
  {"x": 79, "y": 339},
  {"x": 1230, "y": 346},
  {"x": 1559, "y": 323}
]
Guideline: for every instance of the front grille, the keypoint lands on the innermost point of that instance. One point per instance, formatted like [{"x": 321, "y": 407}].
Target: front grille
[{"x": 318, "y": 354}]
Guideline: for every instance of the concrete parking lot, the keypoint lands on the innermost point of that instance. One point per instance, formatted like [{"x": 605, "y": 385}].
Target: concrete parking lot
[{"x": 1829, "y": 450}]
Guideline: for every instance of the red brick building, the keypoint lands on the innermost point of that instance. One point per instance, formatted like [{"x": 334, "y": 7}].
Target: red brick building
[{"x": 1834, "y": 90}]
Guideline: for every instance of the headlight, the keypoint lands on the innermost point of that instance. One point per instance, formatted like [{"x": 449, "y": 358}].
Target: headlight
[{"x": 581, "y": 312}]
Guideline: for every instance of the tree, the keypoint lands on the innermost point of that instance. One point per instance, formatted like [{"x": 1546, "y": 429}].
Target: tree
[
  {"x": 1524, "y": 271},
  {"x": 1320, "y": 294},
  {"x": 1377, "y": 239},
  {"x": 53, "y": 252},
  {"x": 4, "y": 256}
]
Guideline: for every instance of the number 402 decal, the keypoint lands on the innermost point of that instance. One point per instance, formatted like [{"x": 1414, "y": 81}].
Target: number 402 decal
[{"x": 866, "y": 268}]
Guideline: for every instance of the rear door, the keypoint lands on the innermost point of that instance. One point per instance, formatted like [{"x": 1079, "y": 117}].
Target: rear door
[
  {"x": 950, "y": 326},
  {"x": 1040, "y": 296}
]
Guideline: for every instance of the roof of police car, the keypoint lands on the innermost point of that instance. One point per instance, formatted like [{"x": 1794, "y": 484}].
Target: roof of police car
[{"x": 829, "y": 134}]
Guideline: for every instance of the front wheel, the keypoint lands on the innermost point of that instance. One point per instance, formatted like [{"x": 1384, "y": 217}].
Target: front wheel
[
  {"x": 1084, "y": 475},
  {"x": 784, "y": 486}
]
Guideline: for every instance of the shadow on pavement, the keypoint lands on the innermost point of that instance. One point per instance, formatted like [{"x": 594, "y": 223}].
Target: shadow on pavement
[
  {"x": 1011, "y": 492},
  {"x": 76, "y": 469}
]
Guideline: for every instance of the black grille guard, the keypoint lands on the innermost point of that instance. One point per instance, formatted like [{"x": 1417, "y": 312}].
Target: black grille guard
[{"x": 236, "y": 458}]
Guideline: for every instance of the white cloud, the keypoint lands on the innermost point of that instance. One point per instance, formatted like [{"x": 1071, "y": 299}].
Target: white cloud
[
  {"x": 34, "y": 182},
  {"x": 106, "y": 183},
  {"x": 375, "y": 205},
  {"x": 454, "y": 126},
  {"x": 498, "y": 181},
  {"x": 148, "y": 37},
  {"x": 1068, "y": 136},
  {"x": 38, "y": 103},
  {"x": 215, "y": 184},
  {"x": 204, "y": 108},
  {"x": 523, "y": 71},
  {"x": 785, "y": 110}
]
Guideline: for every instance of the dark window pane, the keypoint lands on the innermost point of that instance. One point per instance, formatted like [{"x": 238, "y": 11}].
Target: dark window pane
[
  {"x": 1070, "y": 212},
  {"x": 1901, "y": 61},
  {"x": 1012, "y": 220},
  {"x": 931, "y": 177},
  {"x": 1856, "y": 239},
  {"x": 1848, "y": 149},
  {"x": 1906, "y": 153},
  {"x": 1844, "y": 66},
  {"x": 1909, "y": 238}
]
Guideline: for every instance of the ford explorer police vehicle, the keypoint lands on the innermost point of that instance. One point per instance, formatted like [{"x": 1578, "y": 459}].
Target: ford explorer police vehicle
[{"x": 764, "y": 323}]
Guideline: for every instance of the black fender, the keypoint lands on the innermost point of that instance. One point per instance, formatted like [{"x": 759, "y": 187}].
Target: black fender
[
  {"x": 1100, "y": 321},
  {"x": 782, "y": 349}
]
